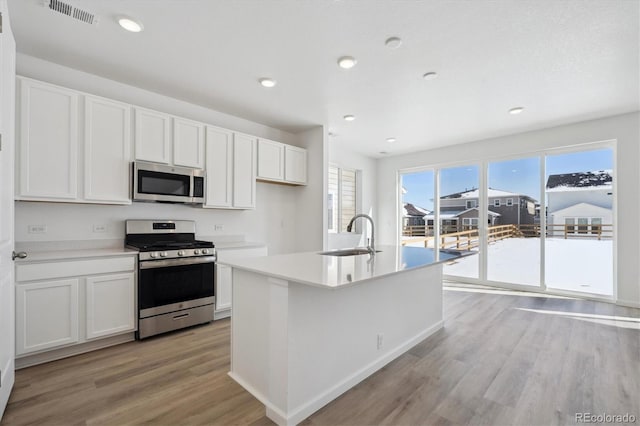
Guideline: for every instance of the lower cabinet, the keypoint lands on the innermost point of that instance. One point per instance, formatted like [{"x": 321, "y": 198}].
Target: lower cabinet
[
  {"x": 63, "y": 311},
  {"x": 224, "y": 276}
]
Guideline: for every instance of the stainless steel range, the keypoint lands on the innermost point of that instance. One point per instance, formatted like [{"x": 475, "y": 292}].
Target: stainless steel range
[{"x": 175, "y": 275}]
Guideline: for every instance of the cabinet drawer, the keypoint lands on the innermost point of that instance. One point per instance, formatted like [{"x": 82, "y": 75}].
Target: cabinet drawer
[{"x": 51, "y": 270}]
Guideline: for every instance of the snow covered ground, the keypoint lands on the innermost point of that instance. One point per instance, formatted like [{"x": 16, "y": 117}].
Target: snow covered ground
[{"x": 584, "y": 265}]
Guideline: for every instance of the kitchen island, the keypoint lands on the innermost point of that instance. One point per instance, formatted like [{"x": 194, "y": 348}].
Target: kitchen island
[{"x": 307, "y": 327}]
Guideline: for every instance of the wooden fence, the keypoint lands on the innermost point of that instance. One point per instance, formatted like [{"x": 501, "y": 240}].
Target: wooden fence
[{"x": 466, "y": 240}]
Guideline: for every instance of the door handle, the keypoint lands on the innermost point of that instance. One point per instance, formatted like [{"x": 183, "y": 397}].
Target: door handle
[{"x": 19, "y": 255}]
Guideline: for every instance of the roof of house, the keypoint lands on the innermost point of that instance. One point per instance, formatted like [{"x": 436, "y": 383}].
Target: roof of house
[
  {"x": 411, "y": 210},
  {"x": 600, "y": 179},
  {"x": 475, "y": 193}
]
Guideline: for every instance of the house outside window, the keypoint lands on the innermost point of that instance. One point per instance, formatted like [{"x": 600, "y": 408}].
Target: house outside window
[
  {"x": 341, "y": 197},
  {"x": 496, "y": 202},
  {"x": 471, "y": 204},
  {"x": 509, "y": 201}
]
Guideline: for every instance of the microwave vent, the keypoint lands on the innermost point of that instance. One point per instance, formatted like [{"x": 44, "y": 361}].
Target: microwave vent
[{"x": 72, "y": 11}]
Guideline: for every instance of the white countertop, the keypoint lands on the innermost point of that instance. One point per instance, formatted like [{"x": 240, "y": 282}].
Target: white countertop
[
  {"x": 341, "y": 271},
  {"x": 237, "y": 245}
]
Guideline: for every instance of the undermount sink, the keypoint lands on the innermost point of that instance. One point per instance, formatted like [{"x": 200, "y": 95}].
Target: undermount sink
[{"x": 347, "y": 252}]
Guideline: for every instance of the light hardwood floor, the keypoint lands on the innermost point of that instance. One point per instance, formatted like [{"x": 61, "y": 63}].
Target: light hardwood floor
[{"x": 501, "y": 359}]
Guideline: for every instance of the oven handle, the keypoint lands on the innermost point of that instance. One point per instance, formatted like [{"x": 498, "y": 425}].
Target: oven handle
[{"x": 151, "y": 264}]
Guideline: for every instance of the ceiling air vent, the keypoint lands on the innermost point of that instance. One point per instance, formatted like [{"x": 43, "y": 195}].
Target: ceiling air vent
[{"x": 72, "y": 11}]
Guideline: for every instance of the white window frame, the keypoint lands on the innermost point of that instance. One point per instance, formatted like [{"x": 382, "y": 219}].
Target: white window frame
[
  {"x": 509, "y": 202},
  {"x": 471, "y": 204},
  {"x": 496, "y": 202}
]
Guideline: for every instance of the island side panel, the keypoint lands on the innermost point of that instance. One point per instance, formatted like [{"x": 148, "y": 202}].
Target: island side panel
[
  {"x": 333, "y": 334},
  {"x": 259, "y": 339}
]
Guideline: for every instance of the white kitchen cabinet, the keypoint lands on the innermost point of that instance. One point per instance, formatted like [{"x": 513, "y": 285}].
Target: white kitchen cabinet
[
  {"x": 64, "y": 303},
  {"x": 244, "y": 171},
  {"x": 295, "y": 160},
  {"x": 110, "y": 304},
  {"x": 270, "y": 160},
  {"x": 224, "y": 276},
  {"x": 107, "y": 150},
  {"x": 46, "y": 315},
  {"x": 48, "y": 142},
  {"x": 188, "y": 143},
  {"x": 223, "y": 287},
  {"x": 152, "y": 136},
  {"x": 219, "y": 165}
]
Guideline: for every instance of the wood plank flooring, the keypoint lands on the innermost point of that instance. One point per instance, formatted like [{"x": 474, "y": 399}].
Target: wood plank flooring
[{"x": 501, "y": 359}]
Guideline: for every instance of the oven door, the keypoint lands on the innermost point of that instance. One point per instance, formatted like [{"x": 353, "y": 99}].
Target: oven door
[
  {"x": 156, "y": 182},
  {"x": 170, "y": 285}
]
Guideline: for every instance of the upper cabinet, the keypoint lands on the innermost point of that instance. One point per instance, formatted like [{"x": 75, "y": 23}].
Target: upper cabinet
[
  {"x": 152, "y": 136},
  {"x": 295, "y": 165},
  {"x": 71, "y": 153},
  {"x": 48, "y": 142},
  {"x": 270, "y": 160},
  {"x": 107, "y": 150},
  {"x": 231, "y": 169},
  {"x": 188, "y": 143},
  {"x": 281, "y": 163}
]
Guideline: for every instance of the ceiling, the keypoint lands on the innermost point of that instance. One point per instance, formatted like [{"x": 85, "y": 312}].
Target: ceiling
[{"x": 563, "y": 61}]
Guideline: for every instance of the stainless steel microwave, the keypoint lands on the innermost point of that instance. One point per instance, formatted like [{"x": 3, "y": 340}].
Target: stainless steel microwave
[{"x": 159, "y": 182}]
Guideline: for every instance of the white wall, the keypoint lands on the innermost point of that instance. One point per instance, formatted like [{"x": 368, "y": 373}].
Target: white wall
[
  {"x": 623, "y": 128},
  {"x": 367, "y": 187},
  {"x": 273, "y": 221},
  {"x": 311, "y": 205}
]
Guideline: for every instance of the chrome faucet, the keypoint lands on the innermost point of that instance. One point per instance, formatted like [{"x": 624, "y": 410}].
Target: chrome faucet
[{"x": 371, "y": 244}]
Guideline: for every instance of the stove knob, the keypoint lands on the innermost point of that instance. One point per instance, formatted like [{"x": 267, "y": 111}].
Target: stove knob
[
  {"x": 205, "y": 251},
  {"x": 163, "y": 254},
  {"x": 181, "y": 253},
  {"x": 154, "y": 255},
  {"x": 196, "y": 251}
]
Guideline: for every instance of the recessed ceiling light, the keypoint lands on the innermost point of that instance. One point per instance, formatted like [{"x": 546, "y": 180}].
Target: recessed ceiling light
[
  {"x": 431, "y": 75},
  {"x": 130, "y": 24},
  {"x": 267, "y": 82},
  {"x": 393, "y": 42},
  {"x": 347, "y": 62},
  {"x": 516, "y": 110},
  {"x": 349, "y": 117},
  {"x": 391, "y": 140}
]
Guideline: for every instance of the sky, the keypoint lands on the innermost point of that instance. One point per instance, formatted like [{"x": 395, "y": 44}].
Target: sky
[{"x": 520, "y": 176}]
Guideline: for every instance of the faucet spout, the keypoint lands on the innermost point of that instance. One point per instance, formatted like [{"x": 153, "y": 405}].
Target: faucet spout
[{"x": 372, "y": 244}]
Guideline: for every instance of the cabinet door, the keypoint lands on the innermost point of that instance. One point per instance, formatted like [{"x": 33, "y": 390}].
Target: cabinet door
[
  {"x": 152, "y": 137},
  {"x": 270, "y": 160},
  {"x": 107, "y": 150},
  {"x": 188, "y": 143},
  {"x": 295, "y": 164},
  {"x": 219, "y": 155},
  {"x": 110, "y": 304},
  {"x": 244, "y": 171},
  {"x": 46, "y": 315},
  {"x": 48, "y": 150},
  {"x": 223, "y": 287}
]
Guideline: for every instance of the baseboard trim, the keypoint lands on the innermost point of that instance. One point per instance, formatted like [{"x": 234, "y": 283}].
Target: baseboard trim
[
  {"x": 217, "y": 315},
  {"x": 300, "y": 413},
  {"x": 52, "y": 355},
  {"x": 8, "y": 379}
]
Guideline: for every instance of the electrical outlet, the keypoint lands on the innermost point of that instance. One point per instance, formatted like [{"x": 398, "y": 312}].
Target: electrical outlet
[
  {"x": 218, "y": 227},
  {"x": 37, "y": 229},
  {"x": 380, "y": 339},
  {"x": 99, "y": 228}
]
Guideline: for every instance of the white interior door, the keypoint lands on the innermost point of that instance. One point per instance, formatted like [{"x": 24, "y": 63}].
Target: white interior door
[{"x": 7, "y": 295}]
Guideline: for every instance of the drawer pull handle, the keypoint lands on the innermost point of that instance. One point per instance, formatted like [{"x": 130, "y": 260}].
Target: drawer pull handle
[{"x": 177, "y": 317}]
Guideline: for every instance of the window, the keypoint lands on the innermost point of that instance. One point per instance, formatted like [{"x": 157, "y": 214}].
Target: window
[
  {"x": 509, "y": 201},
  {"x": 596, "y": 225},
  {"x": 583, "y": 223},
  {"x": 470, "y": 222},
  {"x": 569, "y": 223},
  {"x": 471, "y": 204},
  {"x": 341, "y": 198},
  {"x": 496, "y": 202}
]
